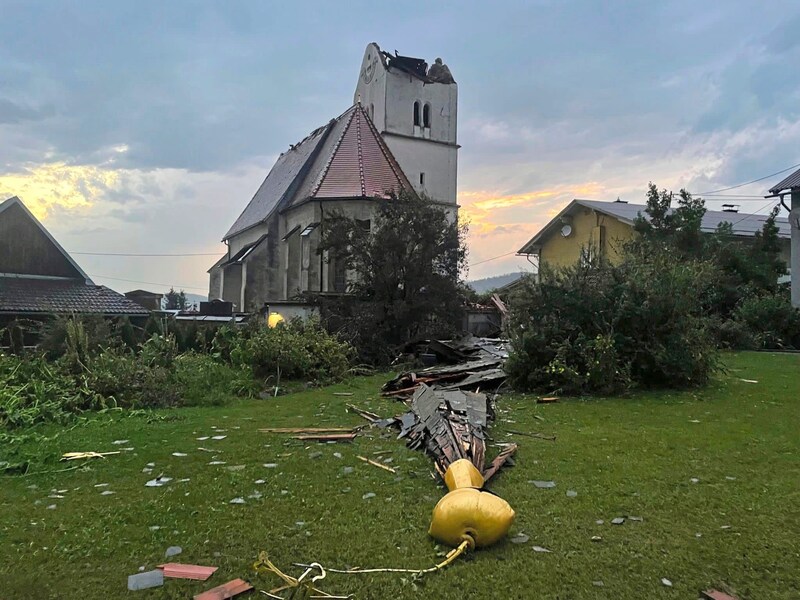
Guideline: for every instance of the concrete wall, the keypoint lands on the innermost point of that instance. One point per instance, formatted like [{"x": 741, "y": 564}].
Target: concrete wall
[
  {"x": 232, "y": 285},
  {"x": 215, "y": 283},
  {"x": 389, "y": 96},
  {"x": 290, "y": 310}
]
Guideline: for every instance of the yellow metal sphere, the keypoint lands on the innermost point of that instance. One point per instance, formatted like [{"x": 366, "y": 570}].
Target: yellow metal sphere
[{"x": 480, "y": 518}]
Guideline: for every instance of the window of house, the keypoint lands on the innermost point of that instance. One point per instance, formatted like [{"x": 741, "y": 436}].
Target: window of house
[
  {"x": 422, "y": 178},
  {"x": 416, "y": 114},
  {"x": 426, "y": 115},
  {"x": 372, "y": 111}
]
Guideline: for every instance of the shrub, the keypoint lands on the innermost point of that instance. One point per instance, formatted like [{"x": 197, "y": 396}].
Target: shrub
[
  {"x": 32, "y": 391},
  {"x": 206, "y": 381},
  {"x": 770, "y": 321},
  {"x": 602, "y": 328},
  {"x": 295, "y": 350}
]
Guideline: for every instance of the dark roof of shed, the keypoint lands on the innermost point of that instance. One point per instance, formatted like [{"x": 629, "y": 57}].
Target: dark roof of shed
[
  {"x": 744, "y": 225},
  {"x": 792, "y": 181},
  {"x": 24, "y": 295},
  {"x": 347, "y": 158}
]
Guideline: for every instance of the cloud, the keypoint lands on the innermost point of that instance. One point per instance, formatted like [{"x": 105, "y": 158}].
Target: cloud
[{"x": 43, "y": 186}]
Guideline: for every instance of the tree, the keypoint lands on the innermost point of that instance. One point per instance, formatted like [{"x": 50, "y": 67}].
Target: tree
[
  {"x": 678, "y": 230},
  {"x": 176, "y": 300},
  {"x": 403, "y": 275}
]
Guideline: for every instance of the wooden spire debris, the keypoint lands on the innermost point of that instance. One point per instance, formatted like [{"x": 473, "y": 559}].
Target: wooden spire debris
[{"x": 449, "y": 414}]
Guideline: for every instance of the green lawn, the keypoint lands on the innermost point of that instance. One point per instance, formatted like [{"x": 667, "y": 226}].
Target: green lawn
[{"x": 737, "y": 525}]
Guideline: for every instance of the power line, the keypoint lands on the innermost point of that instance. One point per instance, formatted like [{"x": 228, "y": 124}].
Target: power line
[
  {"x": 480, "y": 262},
  {"x": 171, "y": 285},
  {"x": 151, "y": 255},
  {"x": 733, "y": 187},
  {"x": 760, "y": 209}
]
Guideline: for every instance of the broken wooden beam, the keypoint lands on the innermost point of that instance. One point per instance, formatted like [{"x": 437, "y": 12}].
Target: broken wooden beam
[
  {"x": 307, "y": 430},
  {"x": 369, "y": 416},
  {"x": 499, "y": 461},
  {"x": 326, "y": 437},
  {"x": 376, "y": 464},
  {"x": 541, "y": 436}
]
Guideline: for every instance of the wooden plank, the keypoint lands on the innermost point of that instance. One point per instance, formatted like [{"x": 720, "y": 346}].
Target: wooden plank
[
  {"x": 306, "y": 430},
  {"x": 326, "y": 437},
  {"x": 376, "y": 464}
]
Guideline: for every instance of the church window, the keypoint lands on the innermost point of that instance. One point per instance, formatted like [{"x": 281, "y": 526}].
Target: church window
[
  {"x": 422, "y": 178},
  {"x": 416, "y": 114},
  {"x": 426, "y": 115}
]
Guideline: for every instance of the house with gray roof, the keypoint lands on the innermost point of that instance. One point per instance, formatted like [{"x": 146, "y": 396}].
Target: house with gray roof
[
  {"x": 603, "y": 227},
  {"x": 399, "y": 134},
  {"x": 39, "y": 278}
]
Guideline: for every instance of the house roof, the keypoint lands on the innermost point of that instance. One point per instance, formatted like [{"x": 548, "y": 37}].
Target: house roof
[
  {"x": 744, "y": 225},
  {"x": 791, "y": 182},
  {"x": 347, "y": 158},
  {"x": 15, "y": 201},
  {"x": 29, "y": 295}
]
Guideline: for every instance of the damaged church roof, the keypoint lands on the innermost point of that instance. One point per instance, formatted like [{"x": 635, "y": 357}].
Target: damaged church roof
[{"x": 347, "y": 158}]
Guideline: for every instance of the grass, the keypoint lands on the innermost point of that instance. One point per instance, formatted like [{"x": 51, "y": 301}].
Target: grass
[{"x": 623, "y": 456}]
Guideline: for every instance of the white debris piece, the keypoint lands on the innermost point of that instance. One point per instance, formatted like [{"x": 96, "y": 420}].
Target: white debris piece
[{"x": 158, "y": 481}]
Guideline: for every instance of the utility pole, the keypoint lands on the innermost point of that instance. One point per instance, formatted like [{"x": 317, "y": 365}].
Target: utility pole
[
  {"x": 794, "y": 223},
  {"x": 791, "y": 187}
]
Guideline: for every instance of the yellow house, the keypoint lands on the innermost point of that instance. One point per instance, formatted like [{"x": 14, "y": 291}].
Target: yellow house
[{"x": 590, "y": 228}]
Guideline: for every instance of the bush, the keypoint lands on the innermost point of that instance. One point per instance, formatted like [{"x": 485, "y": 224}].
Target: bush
[
  {"x": 295, "y": 350},
  {"x": 769, "y": 321},
  {"x": 204, "y": 381},
  {"x": 602, "y": 329},
  {"x": 31, "y": 391}
]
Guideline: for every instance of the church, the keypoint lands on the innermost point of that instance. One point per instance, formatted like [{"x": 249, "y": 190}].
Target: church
[{"x": 400, "y": 133}]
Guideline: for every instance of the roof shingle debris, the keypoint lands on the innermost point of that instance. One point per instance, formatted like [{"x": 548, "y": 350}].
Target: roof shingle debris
[{"x": 449, "y": 412}]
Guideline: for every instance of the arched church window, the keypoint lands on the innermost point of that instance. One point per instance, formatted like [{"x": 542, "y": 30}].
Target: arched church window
[
  {"x": 426, "y": 115},
  {"x": 416, "y": 114}
]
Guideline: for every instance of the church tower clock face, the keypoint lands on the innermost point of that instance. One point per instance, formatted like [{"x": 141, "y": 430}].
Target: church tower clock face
[{"x": 368, "y": 70}]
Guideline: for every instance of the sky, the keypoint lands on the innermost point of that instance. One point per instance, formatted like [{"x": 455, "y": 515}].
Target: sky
[{"x": 146, "y": 127}]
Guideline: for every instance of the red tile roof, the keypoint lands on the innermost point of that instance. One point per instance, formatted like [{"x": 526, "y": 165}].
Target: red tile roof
[
  {"x": 347, "y": 158},
  {"x": 360, "y": 164}
]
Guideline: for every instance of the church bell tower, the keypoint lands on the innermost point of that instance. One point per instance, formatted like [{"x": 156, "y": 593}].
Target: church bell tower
[{"x": 415, "y": 108}]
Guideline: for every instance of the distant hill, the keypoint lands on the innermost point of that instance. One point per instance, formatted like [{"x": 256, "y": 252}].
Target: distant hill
[{"x": 492, "y": 283}]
